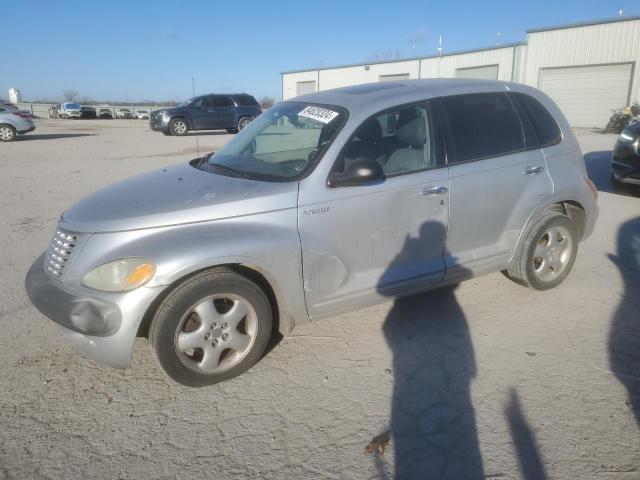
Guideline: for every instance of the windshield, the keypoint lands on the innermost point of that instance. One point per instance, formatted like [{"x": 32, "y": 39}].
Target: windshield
[
  {"x": 187, "y": 102},
  {"x": 72, "y": 105},
  {"x": 283, "y": 143}
]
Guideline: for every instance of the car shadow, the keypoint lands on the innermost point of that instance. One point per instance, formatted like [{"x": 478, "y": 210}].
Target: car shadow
[
  {"x": 432, "y": 426},
  {"x": 51, "y": 136},
  {"x": 624, "y": 336},
  {"x": 199, "y": 133},
  {"x": 599, "y": 171}
]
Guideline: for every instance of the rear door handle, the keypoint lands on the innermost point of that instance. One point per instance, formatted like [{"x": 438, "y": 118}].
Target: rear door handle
[
  {"x": 433, "y": 191},
  {"x": 532, "y": 170}
]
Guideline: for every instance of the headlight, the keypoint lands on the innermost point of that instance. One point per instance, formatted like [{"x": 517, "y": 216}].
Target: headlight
[
  {"x": 625, "y": 137},
  {"x": 120, "y": 275}
]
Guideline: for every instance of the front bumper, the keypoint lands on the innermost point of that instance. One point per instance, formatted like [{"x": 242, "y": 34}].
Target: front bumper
[
  {"x": 625, "y": 163},
  {"x": 102, "y": 325}
]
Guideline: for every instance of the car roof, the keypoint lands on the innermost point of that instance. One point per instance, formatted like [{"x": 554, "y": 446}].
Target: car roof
[{"x": 380, "y": 95}]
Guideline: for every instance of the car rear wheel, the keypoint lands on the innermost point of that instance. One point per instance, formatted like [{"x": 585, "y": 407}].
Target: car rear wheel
[
  {"x": 7, "y": 133},
  {"x": 243, "y": 122},
  {"x": 211, "y": 328},
  {"x": 178, "y": 126},
  {"x": 546, "y": 256}
]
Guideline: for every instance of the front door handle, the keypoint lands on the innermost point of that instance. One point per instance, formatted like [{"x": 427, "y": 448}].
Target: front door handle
[
  {"x": 433, "y": 191},
  {"x": 532, "y": 170}
]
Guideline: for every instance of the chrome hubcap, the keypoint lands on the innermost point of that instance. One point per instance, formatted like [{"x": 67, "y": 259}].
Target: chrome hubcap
[
  {"x": 6, "y": 133},
  {"x": 244, "y": 123},
  {"x": 216, "y": 333},
  {"x": 552, "y": 253},
  {"x": 179, "y": 127}
]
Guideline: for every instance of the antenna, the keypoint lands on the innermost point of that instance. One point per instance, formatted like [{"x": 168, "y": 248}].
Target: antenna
[{"x": 498, "y": 38}]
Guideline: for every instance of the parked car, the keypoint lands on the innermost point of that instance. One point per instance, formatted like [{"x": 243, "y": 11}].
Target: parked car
[
  {"x": 88, "y": 112},
  {"x": 625, "y": 162},
  {"x": 207, "y": 112},
  {"x": 70, "y": 110},
  {"x": 142, "y": 115},
  {"x": 14, "y": 122},
  {"x": 105, "y": 113},
  {"x": 124, "y": 113},
  {"x": 328, "y": 202}
]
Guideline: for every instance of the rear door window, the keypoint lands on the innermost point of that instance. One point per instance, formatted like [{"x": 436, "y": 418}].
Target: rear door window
[
  {"x": 542, "y": 122},
  {"x": 222, "y": 101},
  {"x": 482, "y": 125}
]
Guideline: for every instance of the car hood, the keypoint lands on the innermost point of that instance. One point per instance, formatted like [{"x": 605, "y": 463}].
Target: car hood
[{"x": 175, "y": 195}]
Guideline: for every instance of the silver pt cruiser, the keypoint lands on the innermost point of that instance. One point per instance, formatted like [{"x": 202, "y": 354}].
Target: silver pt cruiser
[{"x": 326, "y": 203}]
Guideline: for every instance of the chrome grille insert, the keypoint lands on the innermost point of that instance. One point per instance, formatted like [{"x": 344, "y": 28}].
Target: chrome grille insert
[{"x": 59, "y": 252}]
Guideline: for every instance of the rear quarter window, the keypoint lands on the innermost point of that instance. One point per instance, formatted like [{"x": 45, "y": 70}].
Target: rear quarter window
[
  {"x": 245, "y": 100},
  {"x": 542, "y": 122}
]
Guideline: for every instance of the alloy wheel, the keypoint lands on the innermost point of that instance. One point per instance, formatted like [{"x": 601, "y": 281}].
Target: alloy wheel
[
  {"x": 552, "y": 253},
  {"x": 216, "y": 333}
]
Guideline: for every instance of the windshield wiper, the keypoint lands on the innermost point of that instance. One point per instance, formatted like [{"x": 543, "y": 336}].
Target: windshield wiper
[{"x": 232, "y": 171}]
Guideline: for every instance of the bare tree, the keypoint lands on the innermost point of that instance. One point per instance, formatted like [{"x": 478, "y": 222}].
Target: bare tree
[
  {"x": 69, "y": 95},
  {"x": 266, "y": 102}
]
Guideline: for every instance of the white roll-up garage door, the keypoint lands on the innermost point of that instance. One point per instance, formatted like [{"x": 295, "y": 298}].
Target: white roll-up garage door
[
  {"x": 488, "y": 72},
  {"x": 306, "y": 87},
  {"x": 586, "y": 95}
]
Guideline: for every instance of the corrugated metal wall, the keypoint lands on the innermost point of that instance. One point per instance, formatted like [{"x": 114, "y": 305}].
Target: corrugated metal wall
[
  {"x": 605, "y": 43},
  {"x": 617, "y": 42}
]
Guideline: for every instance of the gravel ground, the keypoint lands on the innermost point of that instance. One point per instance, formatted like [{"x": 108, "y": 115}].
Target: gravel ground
[{"x": 487, "y": 380}]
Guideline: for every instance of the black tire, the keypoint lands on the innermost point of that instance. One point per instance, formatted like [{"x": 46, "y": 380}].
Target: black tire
[
  {"x": 522, "y": 269},
  {"x": 169, "y": 319},
  {"x": 243, "y": 122},
  {"x": 167, "y": 133},
  {"x": 178, "y": 126},
  {"x": 7, "y": 133},
  {"x": 232, "y": 130}
]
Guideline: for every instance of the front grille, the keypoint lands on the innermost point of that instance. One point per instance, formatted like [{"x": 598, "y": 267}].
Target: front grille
[{"x": 59, "y": 252}]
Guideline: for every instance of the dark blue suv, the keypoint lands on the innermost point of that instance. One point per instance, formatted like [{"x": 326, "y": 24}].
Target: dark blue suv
[{"x": 230, "y": 112}]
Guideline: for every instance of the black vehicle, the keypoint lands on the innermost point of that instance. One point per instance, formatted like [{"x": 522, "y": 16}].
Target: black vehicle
[
  {"x": 105, "y": 113},
  {"x": 625, "y": 164},
  {"x": 230, "y": 112},
  {"x": 87, "y": 112}
]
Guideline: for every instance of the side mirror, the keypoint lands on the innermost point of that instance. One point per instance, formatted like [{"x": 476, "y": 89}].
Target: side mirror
[{"x": 359, "y": 172}]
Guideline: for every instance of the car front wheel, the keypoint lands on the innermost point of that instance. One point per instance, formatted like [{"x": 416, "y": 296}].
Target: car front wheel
[
  {"x": 178, "y": 126},
  {"x": 7, "y": 133},
  {"x": 211, "y": 328},
  {"x": 546, "y": 256}
]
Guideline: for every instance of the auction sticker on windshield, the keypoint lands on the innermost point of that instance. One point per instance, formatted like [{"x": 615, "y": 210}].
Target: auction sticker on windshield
[{"x": 317, "y": 113}]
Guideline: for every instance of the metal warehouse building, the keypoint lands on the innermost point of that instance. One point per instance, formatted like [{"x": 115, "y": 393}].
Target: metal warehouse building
[{"x": 587, "y": 68}]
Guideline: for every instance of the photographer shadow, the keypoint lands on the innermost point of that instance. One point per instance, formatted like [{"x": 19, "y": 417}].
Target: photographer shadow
[{"x": 433, "y": 426}]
